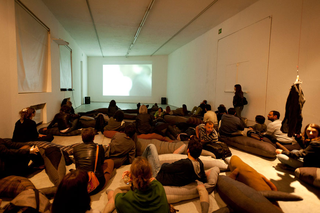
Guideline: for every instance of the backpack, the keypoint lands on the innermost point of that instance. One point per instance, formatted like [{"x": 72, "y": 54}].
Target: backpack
[
  {"x": 219, "y": 149},
  {"x": 29, "y": 201}
]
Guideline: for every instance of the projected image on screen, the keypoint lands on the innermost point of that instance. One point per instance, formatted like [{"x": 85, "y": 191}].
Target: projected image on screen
[{"x": 127, "y": 80}]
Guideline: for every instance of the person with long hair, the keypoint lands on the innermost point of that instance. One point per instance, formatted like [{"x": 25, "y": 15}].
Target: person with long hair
[
  {"x": 112, "y": 108},
  {"x": 144, "y": 121},
  {"x": 309, "y": 155},
  {"x": 72, "y": 194},
  {"x": 145, "y": 195},
  {"x": 26, "y": 129},
  {"x": 238, "y": 99},
  {"x": 115, "y": 123}
]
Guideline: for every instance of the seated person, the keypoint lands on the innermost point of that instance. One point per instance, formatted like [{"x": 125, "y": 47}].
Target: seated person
[
  {"x": 145, "y": 195},
  {"x": 221, "y": 111},
  {"x": 206, "y": 133},
  {"x": 181, "y": 111},
  {"x": 122, "y": 147},
  {"x": 307, "y": 157},
  {"x": 86, "y": 158},
  {"x": 112, "y": 108},
  {"x": 66, "y": 122},
  {"x": 144, "y": 121},
  {"x": 211, "y": 116},
  {"x": 274, "y": 132},
  {"x": 15, "y": 157},
  {"x": 199, "y": 110},
  {"x": 230, "y": 124},
  {"x": 115, "y": 123},
  {"x": 257, "y": 129},
  {"x": 72, "y": 194},
  {"x": 67, "y": 102},
  {"x": 181, "y": 172},
  {"x": 158, "y": 114},
  {"x": 25, "y": 128},
  {"x": 168, "y": 111}
]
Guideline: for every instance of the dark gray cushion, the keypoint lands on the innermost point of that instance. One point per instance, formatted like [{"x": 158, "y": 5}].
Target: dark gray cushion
[{"x": 250, "y": 145}]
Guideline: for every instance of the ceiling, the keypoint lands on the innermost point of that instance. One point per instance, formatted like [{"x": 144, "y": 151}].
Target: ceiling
[{"x": 108, "y": 27}]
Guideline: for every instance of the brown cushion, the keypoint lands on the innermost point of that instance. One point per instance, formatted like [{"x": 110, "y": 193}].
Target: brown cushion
[
  {"x": 310, "y": 175},
  {"x": 11, "y": 186},
  {"x": 109, "y": 133},
  {"x": 248, "y": 175},
  {"x": 173, "y": 119},
  {"x": 153, "y": 136},
  {"x": 194, "y": 121}
]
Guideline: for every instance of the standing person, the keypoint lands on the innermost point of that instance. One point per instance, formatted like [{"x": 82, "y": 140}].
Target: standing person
[
  {"x": 85, "y": 158},
  {"x": 26, "y": 129},
  {"x": 72, "y": 194},
  {"x": 238, "y": 100},
  {"x": 146, "y": 193},
  {"x": 144, "y": 121},
  {"x": 307, "y": 157}
]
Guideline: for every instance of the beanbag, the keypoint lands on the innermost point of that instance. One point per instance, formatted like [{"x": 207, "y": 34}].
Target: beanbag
[
  {"x": 194, "y": 121},
  {"x": 250, "y": 145},
  {"x": 179, "y": 193},
  {"x": 54, "y": 164},
  {"x": 173, "y": 119},
  {"x": 242, "y": 198},
  {"x": 12, "y": 185},
  {"x": 310, "y": 175},
  {"x": 162, "y": 147},
  {"x": 56, "y": 131},
  {"x": 208, "y": 162},
  {"x": 248, "y": 175}
]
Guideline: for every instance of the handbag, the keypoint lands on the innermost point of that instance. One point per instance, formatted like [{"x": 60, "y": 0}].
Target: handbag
[
  {"x": 244, "y": 100},
  {"x": 93, "y": 181}
]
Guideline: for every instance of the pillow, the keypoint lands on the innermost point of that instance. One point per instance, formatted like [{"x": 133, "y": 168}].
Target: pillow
[
  {"x": 173, "y": 119},
  {"x": 153, "y": 136},
  {"x": 109, "y": 133},
  {"x": 179, "y": 193},
  {"x": 55, "y": 165},
  {"x": 250, "y": 145},
  {"x": 12, "y": 185},
  {"x": 242, "y": 198},
  {"x": 248, "y": 175},
  {"x": 56, "y": 131},
  {"x": 87, "y": 118},
  {"x": 194, "y": 121},
  {"x": 208, "y": 162},
  {"x": 310, "y": 175},
  {"x": 162, "y": 146}
]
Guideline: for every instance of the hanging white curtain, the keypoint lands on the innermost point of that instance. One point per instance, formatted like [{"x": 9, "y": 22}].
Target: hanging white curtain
[
  {"x": 32, "y": 52},
  {"x": 65, "y": 68}
]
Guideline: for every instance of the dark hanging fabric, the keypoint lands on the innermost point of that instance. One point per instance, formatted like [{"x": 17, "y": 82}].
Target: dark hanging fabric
[{"x": 292, "y": 121}]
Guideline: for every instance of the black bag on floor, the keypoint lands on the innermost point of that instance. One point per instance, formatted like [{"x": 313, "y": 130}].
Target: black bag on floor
[{"x": 219, "y": 149}]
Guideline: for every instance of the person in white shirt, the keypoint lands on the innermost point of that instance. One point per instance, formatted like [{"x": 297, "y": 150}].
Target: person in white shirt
[{"x": 274, "y": 132}]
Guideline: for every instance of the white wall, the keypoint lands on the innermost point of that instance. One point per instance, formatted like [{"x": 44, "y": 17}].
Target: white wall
[
  {"x": 195, "y": 64},
  {"x": 159, "y": 78},
  {"x": 12, "y": 102}
]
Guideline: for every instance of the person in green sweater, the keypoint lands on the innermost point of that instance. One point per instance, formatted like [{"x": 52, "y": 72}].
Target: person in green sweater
[{"x": 146, "y": 194}]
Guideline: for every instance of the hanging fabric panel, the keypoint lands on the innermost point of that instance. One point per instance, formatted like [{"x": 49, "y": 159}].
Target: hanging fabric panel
[
  {"x": 65, "y": 68},
  {"x": 32, "y": 52}
]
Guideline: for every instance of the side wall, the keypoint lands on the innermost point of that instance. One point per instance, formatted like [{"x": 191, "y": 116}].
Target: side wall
[
  {"x": 12, "y": 102},
  {"x": 159, "y": 78},
  {"x": 197, "y": 61}
]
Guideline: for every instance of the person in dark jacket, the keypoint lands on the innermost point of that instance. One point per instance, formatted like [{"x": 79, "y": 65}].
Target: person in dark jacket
[
  {"x": 85, "y": 158},
  {"x": 116, "y": 123},
  {"x": 144, "y": 121},
  {"x": 112, "y": 108},
  {"x": 238, "y": 100},
  {"x": 14, "y": 157},
  {"x": 25, "y": 128},
  {"x": 181, "y": 172},
  {"x": 307, "y": 157}
]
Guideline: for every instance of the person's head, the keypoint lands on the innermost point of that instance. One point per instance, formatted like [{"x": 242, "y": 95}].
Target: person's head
[
  {"x": 69, "y": 103},
  {"x": 130, "y": 130},
  {"x": 143, "y": 109},
  {"x": 273, "y": 115},
  {"x": 184, "y": 109},
  {"x": 204, "y": 102},
  {"x": 112, "y": 103},
  {"x": 232, "y": 111},
  {"x": 194, "y": 147},
  {"x": 208, "y": 126},
  {"x": 208, "y": 107},
  {"x": 118, "y": 115},
  {"x": 27, "y": 113},
  {"x": 64, "y": 101},
  {"x": 72, "y": 194},
  {"x": 311, "y": 131},
  {"x": 160, "y": 109},
  {"x": 65, "y": 108},
  {"x": 141, "y": 172},
  {"x": 222, "y": 108},
  {"x": 260, "y": 119},
  {"x": 168, "y": 109},
  {"x": 237, "y": 88},
  {"x": 87, "y": 135}
]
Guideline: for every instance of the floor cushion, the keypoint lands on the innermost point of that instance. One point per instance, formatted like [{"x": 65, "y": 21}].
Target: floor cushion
[
  {"x": 250, "y": 145},
  {"x": 173, "y": 119},
  {"x": 11, "y": 186},
  {"x": 56, "y": 131},
  {"x": 179, "y": 193},
  {"x": 242, "y": 198},
  {"x": 162, "y": 147},
  {"x": 208, "y": 162},
  {"x": 309, "y": 175}
]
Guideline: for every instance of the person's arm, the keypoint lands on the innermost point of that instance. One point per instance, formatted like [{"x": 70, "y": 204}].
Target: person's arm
[
  {"x": 52, "y": 122},
  {"x": 197, "y": 131},
  {"x": 203, "y": 176},
  {"x": 132, "y": 154}
]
